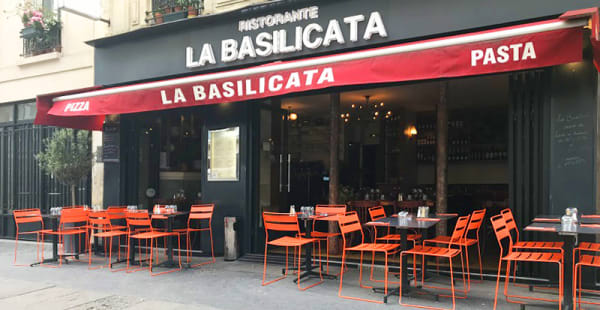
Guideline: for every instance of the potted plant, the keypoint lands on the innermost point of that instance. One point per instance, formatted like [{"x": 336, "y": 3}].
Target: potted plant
[
  {"x": 33, "y": 23},
  {"x": 193, "y": 7},
  {"x": 179, "y": 5},
  {"x": 158, "y": 16},
  {"x": 173, "y": 16}
]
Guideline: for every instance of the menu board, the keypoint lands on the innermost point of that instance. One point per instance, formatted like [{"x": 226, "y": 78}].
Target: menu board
[
  {"x": 223, "y": 154},
  {"x": 110, "y": 144}
]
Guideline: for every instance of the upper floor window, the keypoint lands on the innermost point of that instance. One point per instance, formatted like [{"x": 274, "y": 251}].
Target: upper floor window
[{"x": 41, "y": 27}]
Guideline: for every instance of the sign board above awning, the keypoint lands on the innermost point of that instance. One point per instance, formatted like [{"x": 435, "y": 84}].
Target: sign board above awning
[{"x": 506, "y": 49}]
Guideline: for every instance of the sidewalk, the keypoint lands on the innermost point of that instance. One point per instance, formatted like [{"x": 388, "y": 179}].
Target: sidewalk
[{"x": 224, "y": 285}]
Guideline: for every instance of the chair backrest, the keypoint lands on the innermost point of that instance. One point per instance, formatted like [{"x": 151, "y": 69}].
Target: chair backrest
[
  {"x": 116, "y": 212},
  {"x": 349, "y": 223},
  {"x": 476, "y": 220},
  {"x": 330, "y": 209},
  {"x": 138, "y": 219},
  {"x": 510, "y": 222},
  {"x": 502, "y": 232},
  {"x": 27, "y": 216},
  {"x": 376, "y": 213},
  {"x": 72, "y": 216},
  {"x": 280, "y": 222},
  {"x": 99, "y": 220},
  {"x": 460, "y": 229},
  {"x": 202, "y": 212}
]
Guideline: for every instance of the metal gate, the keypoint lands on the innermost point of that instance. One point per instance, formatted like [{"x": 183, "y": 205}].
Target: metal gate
[{"x": 22, "y": 183}]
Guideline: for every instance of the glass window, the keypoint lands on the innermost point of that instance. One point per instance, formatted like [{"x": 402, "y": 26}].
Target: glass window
[
  {"x": 26, "y": 111},
  {"x": 7, "y": 113}
]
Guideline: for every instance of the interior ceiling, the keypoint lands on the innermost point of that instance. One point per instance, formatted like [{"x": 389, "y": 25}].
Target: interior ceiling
[{"x": 481, "y": 91}]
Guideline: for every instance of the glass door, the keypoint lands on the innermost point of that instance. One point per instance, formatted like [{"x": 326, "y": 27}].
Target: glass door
[{"x": 273, "y": 167}]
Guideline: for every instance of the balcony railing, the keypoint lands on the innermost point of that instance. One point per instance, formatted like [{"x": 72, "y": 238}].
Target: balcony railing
[
  {"x": 172, "y": 10},
  {"x": 42, "y": 43}
]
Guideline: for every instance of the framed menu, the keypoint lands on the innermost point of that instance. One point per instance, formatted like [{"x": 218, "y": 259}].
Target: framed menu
[{"x": 223, "y": 154}]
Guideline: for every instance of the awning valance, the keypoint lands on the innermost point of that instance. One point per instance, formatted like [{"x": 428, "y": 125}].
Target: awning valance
[{"x": 521, "y": 47}]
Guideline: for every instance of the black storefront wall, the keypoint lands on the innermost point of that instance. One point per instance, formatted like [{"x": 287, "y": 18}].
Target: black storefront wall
[
  {"x": 231, "y": 198},
  {"x": 159, "y": 52}
]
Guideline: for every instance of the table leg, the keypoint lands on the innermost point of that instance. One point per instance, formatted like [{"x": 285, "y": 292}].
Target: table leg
[
  {"x": 404, "y": 246},
  {"x": 54, "y": 224},
  {"x": 569, "y": 244},
  {"x": 132, "y": 250},
  {"x": 170, "y": 240},
  {"x": 424, "y": 237}
]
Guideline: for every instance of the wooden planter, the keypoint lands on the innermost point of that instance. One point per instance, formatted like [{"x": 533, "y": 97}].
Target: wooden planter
[
  {"x": 175, "y": 16},
  {"x": 28, "y": 32}
]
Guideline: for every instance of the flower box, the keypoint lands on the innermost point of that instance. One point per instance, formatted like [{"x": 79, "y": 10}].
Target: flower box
[
  {"x": 175, "y": 16},
  {"x": 28, "y": 32}
]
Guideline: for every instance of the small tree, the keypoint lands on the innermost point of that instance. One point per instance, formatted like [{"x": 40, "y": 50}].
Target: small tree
[{"x": 67, "y": 157}]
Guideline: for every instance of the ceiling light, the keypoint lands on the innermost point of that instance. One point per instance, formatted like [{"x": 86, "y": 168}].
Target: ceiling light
[{"x": 410, "y": 131}]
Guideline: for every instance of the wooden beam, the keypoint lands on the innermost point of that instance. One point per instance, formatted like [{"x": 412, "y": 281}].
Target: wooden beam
[
  {"x": 441, "y": 156},
  {"x": 334, "y": 173},
  {"x": 334, "y": 139}
]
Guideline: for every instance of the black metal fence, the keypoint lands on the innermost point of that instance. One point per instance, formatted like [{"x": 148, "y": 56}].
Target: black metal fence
[
  {"x": 22, "y": 183},
  {"x": 49, "y": 42}
]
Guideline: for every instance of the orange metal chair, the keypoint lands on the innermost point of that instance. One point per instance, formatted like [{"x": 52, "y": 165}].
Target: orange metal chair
[
  {"x": 286, "y": 224},
  {"x": 199, "y": 214},
  {"x": 519, "y": 245},
  {"x": 78, "y": 217},
  {"x": 473, "y": 228},
  {"x": 139, "y": 227},
  {"x": 527, "y": 245},
  {"x": 585, "y": 260},
  {"x": 450, "y": 251},
  {"x": 101, "y": 227},
  {"x": 508, "y": 255},
  {"x": 28, "y": 217},
  {"x": 350, "y": 223},
  {"x": 326, "y": 235}
]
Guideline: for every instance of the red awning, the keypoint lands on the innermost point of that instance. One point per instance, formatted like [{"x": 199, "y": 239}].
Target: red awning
[
  {"x": 44, "y": 104},
  {"x": 506, "y": 49},
  {"x": 593, "y": 16}
]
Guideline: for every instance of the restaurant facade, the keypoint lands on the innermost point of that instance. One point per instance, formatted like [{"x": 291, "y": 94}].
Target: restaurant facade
[{"x": 466, "y": 104}]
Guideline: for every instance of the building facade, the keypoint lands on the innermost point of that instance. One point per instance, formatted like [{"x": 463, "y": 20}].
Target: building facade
[{"x": 460, "y": 105}]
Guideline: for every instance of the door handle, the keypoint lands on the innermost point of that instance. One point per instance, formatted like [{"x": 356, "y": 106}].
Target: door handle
[
  {"x": 289, "y": 165},
  {"x": 280, "y": 172}
]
